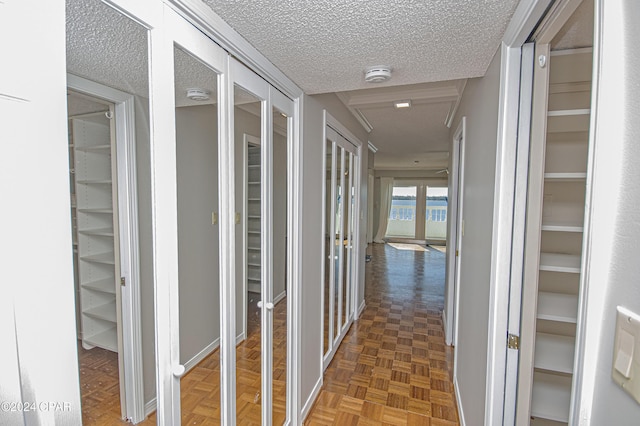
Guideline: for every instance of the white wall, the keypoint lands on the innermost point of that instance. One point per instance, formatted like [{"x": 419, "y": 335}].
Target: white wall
[
  {"x": 480, "y": 106},
  {"x": 38, "y": 359},
  {"x": 613, "y": 277}
]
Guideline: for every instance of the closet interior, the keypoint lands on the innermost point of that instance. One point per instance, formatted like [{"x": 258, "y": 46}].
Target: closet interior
[{"x": 557, "y": 186}]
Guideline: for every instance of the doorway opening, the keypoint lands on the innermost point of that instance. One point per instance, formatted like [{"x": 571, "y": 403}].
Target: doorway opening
[{"x": 95, "y": 252}]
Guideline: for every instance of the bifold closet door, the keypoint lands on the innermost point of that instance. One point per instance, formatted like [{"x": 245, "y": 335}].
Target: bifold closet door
[
  {"x": 205, "y": 107},
  {"x": 262, "y": 115},
  {"x": 185, "y": 150},
  {"x": 341, "y": 171}
]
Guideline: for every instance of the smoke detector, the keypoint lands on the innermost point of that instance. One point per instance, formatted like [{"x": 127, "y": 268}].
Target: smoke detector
[
  {"x": 198, "y": 94},
  {"x": 377, "y": 74}
]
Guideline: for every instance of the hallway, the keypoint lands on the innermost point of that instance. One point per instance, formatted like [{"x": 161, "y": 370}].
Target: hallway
[{"x": 393, "y": 366}]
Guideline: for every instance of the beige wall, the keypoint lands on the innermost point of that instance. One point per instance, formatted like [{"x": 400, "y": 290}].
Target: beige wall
[
  {"x": 312, "y": 238},
  {"x": 198, "y": 238},
  {"x": 480, "y": 106}
]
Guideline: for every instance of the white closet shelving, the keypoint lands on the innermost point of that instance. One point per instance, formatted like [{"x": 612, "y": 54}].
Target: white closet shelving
[
  {"x": 95, "y": 224},
  {"x": 253, "y": 218},
  {"x": 564, "y": 180}
]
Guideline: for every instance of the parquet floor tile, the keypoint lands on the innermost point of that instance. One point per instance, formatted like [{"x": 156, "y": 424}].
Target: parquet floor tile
[{"x": 393, "y": 367}]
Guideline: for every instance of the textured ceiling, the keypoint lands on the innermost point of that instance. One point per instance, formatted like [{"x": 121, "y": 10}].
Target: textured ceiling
[
  {"x": 578, "y": 30},
  {"x": 324, "y": 46},
  {"x": 106, "y": 47}
]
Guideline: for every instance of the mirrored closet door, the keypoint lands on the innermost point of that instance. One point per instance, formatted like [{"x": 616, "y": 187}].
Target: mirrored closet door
[{"x": 341, "y": 194}]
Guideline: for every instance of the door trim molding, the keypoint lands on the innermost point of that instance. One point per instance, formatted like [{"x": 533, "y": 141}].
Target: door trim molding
[
  {"x": 525, "y": 19},
  {"x": 131, "y": 322},
  {"x": 455, "y": 229}
]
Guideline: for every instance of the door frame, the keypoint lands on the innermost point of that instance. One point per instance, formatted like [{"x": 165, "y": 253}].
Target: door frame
[
  {"x": 525, "y": 19},
  {"x": 129, "y": 315},
  {"x": 455, "y": 235}
]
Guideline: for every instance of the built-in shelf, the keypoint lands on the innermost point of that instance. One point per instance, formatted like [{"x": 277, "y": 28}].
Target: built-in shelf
[
  {"x": 106, "y": 285},
  {"x": 94, "y": 181},
  {"x": 551, "y": 397},
  {"x": 96, "y": 210},
  {"x": 557, "y": 307},
  {"x": 568, "y": 177},
  {"x": 105, "y": 311},
  {"x": 105, "y": 258},
  {"x": 552, "y": 226},
  {"x": 572, "y": 120},
  {"x": 554, "y": 353},
  {"x": 94, "y": 148},
  {"x": 569, "y": 113},
  {"x": 557, "y": 262},
  {"x": 252, "y": 225},
  {"x": 102, "y": 232},
  {"x": 557, "y": 283},
  {"x": 107, "y": 339},
  {"x": 94, "y": 222}
]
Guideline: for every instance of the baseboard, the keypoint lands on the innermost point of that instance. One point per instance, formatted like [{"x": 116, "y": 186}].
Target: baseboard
[
  {"x": 150, "y": 407},
  {"x": 458, "y": 402},
  {"x": 202, "y": 355},
  {"x": 312, "y": 398},
  {"x": 279, "y": 297},
  {"x": 240, "y": 338},
  {"x": 361, "y": 308}
]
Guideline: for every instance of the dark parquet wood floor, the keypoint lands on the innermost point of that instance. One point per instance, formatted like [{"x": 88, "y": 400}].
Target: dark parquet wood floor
[{"x": 393, "y": 367}]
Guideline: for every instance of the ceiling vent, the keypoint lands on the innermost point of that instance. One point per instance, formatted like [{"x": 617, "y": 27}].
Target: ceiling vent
[
  {"x": 377, "y": 74},
  {"x": 198, "y": 94}
]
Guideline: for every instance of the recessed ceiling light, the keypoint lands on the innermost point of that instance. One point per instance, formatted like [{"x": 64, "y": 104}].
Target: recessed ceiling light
[{"x": 402, "y": 104}]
